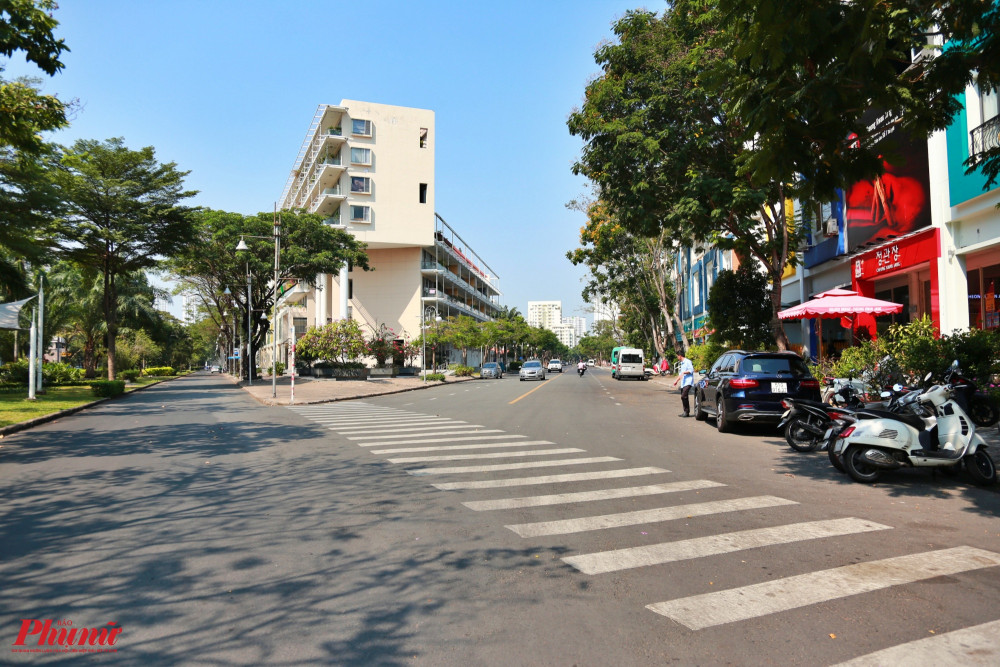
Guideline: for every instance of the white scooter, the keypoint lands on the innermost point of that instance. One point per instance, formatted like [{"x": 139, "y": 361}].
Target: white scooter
[{"x": 871, "y": 446}]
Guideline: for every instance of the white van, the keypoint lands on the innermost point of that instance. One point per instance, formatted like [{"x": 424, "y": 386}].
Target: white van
[{"x": 630, "y": 364}]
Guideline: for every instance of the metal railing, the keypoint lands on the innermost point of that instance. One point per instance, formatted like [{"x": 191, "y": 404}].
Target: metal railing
[{"x": 985, "y": 137}]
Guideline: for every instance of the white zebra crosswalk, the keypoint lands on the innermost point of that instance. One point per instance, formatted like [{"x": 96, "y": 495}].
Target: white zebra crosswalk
[{"x": 407, "y": 437}]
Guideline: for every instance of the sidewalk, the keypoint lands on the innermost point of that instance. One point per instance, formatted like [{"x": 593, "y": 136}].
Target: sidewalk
[{"x": 324, "y": 390}]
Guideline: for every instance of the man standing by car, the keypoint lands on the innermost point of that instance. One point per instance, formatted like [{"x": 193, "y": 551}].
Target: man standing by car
[{"x": 686, "y": 378}]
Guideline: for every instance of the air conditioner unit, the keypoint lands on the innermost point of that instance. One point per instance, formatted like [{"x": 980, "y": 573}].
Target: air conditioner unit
[{"x": 830, "y": 226}]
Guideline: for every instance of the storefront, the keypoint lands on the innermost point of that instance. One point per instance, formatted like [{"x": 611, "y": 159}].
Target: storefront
[
  {"x": 983, "y": 281},
  {"x": 903, "y": 270}
]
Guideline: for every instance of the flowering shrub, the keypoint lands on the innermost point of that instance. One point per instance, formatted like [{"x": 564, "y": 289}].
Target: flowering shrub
[
  {"x": 339, "y": 342},
  {"x": 382, "y": 344}
]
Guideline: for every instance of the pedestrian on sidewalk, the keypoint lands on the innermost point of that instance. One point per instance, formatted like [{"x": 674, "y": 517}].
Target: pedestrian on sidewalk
[{"x": 685, "y": 375}]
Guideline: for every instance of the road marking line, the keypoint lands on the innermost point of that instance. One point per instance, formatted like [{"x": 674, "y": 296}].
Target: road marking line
[
  {"x": 566, "y": 526},
  {"x": 493, "y": 455},
  {"x": 541, "y": 384},
  {"x": 427, "y": 441},
  {"x": 379, "y": 421},
  {"x": 586, "y": 496},
  {"x": 669, "y": 552},
  {"x": 977, "y": 645},
  {"x": 400, "y": 428},
  {"x": 491, "y": 445},
  {"x": 511, "y": 466},
  {"x": 443, "y": 430},
  {"x": 738, "y": 604},
  {"x": 549, "y": 479}
]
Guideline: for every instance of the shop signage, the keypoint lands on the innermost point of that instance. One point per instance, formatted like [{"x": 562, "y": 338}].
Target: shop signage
[{"x": 897, "y": 255}]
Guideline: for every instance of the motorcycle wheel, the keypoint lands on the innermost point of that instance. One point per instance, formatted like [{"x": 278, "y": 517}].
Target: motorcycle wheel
[
  {"x": 800, "y": 439},
  {"x": 857, "y": 468},
  {"x": 981, "y": 468},
  {"x": 835, "y": 460},
  {"x": 982, "y": 411}
]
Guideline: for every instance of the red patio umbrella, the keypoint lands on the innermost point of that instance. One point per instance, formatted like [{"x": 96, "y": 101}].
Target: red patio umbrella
[{"x": 839, "y": 303}]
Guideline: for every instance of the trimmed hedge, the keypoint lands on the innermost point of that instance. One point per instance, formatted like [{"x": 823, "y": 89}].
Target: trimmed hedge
[
  {"x": 130, "y": 375},
  {"x": 159, "y": 371},
  {"x": 464, "y": 371},
  {"x": 107, "y": 388},
  {"x": 435, "y": 377}
]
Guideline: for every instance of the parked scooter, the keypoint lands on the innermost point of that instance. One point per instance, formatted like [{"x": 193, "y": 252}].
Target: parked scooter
[
  {"x": 870, "y": 446},
  {"x": 982, "y": 410}
]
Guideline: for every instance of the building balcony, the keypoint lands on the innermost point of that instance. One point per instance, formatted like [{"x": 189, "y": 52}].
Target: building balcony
[
  {"x": 984, "y": 138},
  {"x": 327, "y": 201}
]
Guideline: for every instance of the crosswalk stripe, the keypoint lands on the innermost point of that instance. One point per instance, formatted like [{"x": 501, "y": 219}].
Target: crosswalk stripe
[
  {"x": 493, "y": 455},
  {"x": 977, "y": 645},
  {"x": 669, "y": 552},
  {"x": 444, "y": 430},
  {"x": 445, "y": 448},
  {"x": 549, "y": 479},
  {"x": 401, "y": 427},
  {"x": 565, "y": 526},
  {"x": 354, "y": 425},
  {"x": 738, "y": 604},
  {"x": 453, "y": 439},
  {"x": 585, "y": 496},
  {"x": 381, "y": 420},
  {"x": 511, "y": 466}
]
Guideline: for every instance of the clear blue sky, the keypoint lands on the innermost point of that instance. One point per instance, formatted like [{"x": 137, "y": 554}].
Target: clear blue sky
[{"x": 227, "y": 89}]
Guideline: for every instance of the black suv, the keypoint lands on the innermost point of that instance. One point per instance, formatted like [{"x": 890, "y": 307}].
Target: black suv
[{"x": 749, "y": 386}]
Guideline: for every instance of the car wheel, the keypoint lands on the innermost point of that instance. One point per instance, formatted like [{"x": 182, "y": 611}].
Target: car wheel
[
  {"x": 699, "y": 414},
  {"x": 721, "y": 422}
]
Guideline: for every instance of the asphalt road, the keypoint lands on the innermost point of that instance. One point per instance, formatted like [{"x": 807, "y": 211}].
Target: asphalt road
[{"x": 213, "y": 530}]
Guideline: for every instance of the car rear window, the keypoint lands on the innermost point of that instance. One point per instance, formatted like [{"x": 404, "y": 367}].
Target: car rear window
[
  {"x": 774, "y": 365},
  {"x": 631, "y": 359},
  {"x": 533, "y": 364},
  {"x": 489, "y": 365}
]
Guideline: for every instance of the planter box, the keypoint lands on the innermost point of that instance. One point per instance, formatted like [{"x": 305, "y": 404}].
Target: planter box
[
  {"x": 387, "y": 372},
  {"x": 342, "y": 373}
]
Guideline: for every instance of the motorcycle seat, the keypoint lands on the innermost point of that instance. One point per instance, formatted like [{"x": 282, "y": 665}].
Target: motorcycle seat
[{"x": 872, "y": 413}]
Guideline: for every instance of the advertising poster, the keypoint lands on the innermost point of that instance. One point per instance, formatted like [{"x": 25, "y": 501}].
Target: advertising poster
[{"x": 898, "y": 202}]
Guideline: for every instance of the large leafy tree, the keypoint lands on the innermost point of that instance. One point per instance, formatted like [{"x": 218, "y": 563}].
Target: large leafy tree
[
  {"x": 739, "y": 308},
  {"x": 206, "y": 268},
  {"x": 27, "y": 26},
  {"x": 124, "y": 214},
  {"x": 663, "y": 151},
  {"x": 634, "y": 272},
  {"x": 800, "y": 81}
]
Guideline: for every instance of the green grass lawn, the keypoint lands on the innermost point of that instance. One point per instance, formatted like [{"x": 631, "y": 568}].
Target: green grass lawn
[{"x": 16, "y": 408}]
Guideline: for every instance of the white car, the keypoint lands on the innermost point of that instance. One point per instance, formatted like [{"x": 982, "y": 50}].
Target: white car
[
  {"x": 590, "y": 362},
  {"x": 532, "y": 370},
  {"x": 555, "y": 366}
]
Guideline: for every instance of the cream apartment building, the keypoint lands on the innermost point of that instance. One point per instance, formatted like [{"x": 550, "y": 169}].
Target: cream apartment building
[{"x": 369, "y": 168}]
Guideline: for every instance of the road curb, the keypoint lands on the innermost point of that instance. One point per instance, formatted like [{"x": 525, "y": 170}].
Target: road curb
[
  {"x": 44, "y": 419},
  {"x": 335, "y": 399}
]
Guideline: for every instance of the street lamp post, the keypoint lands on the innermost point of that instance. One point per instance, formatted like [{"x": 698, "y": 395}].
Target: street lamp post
[{"x": 241, "y": 246}]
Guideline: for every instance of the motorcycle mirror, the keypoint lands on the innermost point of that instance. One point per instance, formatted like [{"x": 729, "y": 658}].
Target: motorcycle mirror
[
  {"x": 928, "y": 376},
  {"x": 897, "y": 387},
  {"x": 954, "y": 365},
  {"x": 886, "y": 394}
]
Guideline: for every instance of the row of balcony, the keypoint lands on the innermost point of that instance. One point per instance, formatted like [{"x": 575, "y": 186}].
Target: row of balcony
[
  {"x": 985, "y": 137},
  {"x": 457, "y": 280},
  {"x": 458, "y": 305}
]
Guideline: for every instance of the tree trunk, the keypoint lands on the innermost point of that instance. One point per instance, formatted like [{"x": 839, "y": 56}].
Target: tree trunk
[
  {"x": 777, "y": 327},
  {"x": 111, "y": 318}
]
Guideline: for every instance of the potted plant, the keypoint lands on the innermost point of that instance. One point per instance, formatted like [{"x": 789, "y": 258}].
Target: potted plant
[{"x": 381, "y": 345}]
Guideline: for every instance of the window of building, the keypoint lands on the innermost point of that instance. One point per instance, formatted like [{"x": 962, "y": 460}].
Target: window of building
[
  {"x": 361, "y": 213},
  {"x": 423, "y": 137},
  {"x": 696, "y": 289},
  {"x": 423, "y": 193},
  {"x": 361, "y": 128},
  {"x": 361, "y": 156},
  {"x": 361, "y": 185},
  {"x": 300, "y": 324},
  {"x": 350, "y": 288}
]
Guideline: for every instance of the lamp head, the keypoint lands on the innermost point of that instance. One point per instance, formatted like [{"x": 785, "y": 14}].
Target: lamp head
[
  {"x": 242, "y": 245},
  {"x": 226, "y": 291}
]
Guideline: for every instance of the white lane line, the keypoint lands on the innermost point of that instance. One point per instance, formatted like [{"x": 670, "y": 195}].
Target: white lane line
[
  {"x": 977, "y": 645},
  {"x": 549, "y": 479},
  {"x": 738, "y": 604},
  {"x": 352, "y": 413},
  {"x": 512, "y": 466},
  {"x": 430, "y": 440},
  {"x": 669, "y": 552},
  {"x": 494, "y": 455},
  {"x": 355, "y": 423},
  {"x": 445, "y": 448},
  {"x": 586, "y": 496},
  {"x": 443, "y": 430},
  {"x": 379, "y": 420},
  {"x": 566, "y": 526},
  {"x": 400, "y": 427}
]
